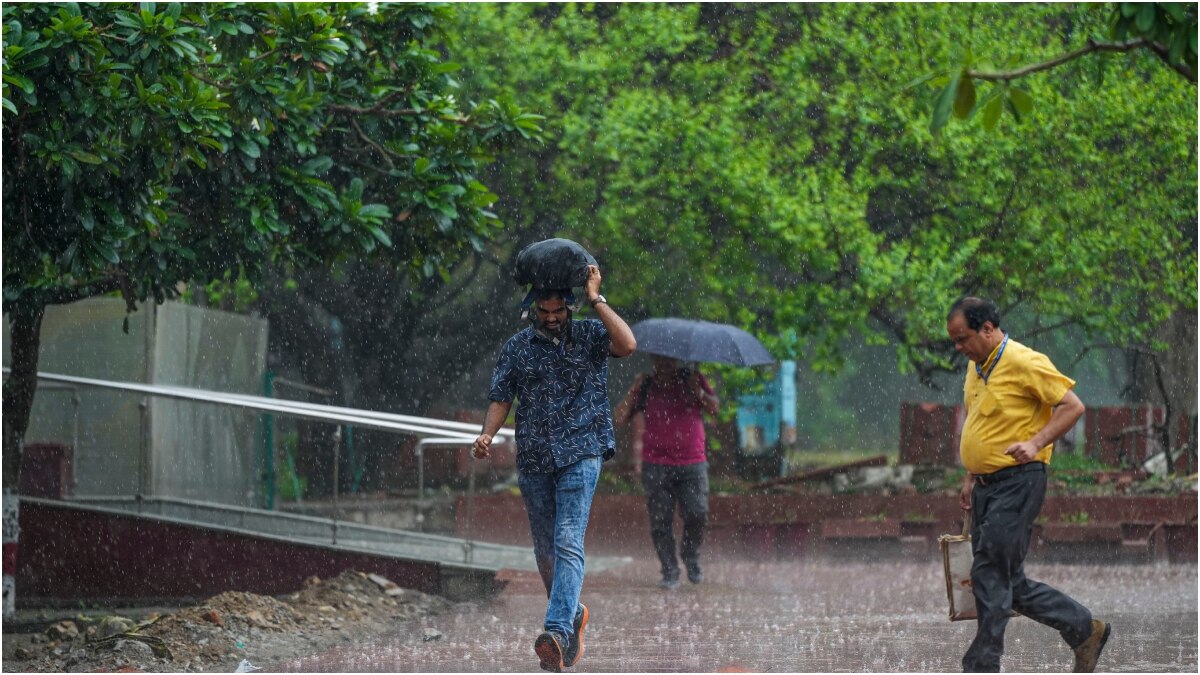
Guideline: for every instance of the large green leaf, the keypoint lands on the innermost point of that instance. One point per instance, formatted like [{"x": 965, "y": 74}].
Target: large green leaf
[
  {"x": 944, "y": 104},
  {"x": 991, "y": 112},
  {"x": 248, "y": 146},
  {"x": 964, "y": 98},
  {"x": 1146, "y": 15},
  {"x": 381, "y": 236},
  {"x": 1021, "y": 100}
]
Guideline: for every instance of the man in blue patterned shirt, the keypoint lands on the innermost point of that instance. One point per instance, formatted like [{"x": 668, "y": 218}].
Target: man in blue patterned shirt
[{"x": 557, "y": 368}]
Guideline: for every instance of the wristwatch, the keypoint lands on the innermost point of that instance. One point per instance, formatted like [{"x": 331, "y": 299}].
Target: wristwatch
[{"x": 599, "y": 299}]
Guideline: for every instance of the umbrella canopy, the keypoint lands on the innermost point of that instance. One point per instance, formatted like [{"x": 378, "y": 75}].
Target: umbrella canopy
[{"x": 689, "y": 340}]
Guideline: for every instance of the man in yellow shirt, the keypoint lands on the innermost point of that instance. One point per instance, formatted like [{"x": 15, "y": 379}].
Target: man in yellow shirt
[{"x": 1017, "y": 405}]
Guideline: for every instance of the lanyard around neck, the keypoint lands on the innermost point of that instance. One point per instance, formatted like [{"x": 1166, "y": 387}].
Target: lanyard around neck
[{"x": 984, "y": 376}]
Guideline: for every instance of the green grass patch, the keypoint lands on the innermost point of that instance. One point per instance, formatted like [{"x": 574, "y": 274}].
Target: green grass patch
[{"x": 1080, "y": 518}]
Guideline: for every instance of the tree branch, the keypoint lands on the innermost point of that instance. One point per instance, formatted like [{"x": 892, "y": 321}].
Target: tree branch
[
  {"x": 380, "y": 110},
  {"x": 213, "y": 83},
  {"x": 1038, "y": 330},
  {"x": 378, "y": 107},
  {"x": 370, "y": 167},
  {"x": 1089, "y": 348},
  {"x": 1181, "y": 67},
  {"x": 378, "y": 148},
  {"x": 1092, "y": 46},
  {"x": 1000, "y": 217},
  {"x": 65, "y": 295},
  {"x": 453, "y": 294}
]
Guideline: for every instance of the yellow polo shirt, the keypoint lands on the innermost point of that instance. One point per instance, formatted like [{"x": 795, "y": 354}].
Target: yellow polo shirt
[{"x": 1012, "y": 406}]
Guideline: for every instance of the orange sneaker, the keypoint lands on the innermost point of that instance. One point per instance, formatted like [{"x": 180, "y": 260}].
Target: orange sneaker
[
  {"x": 549, "y": 648},
  {"x": 575, "y": 644}
]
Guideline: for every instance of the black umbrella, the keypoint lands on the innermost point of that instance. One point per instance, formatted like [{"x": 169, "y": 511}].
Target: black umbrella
[{"x": 689, "y": 340}]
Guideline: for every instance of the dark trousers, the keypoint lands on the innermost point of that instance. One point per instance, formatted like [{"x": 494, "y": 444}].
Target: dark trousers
[
  {"x": 665, "y": 486},
  {"x": 1003, "y": 510}
]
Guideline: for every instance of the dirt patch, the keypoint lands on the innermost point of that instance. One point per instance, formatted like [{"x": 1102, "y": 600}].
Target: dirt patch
[{"x": 221, "y": 633}]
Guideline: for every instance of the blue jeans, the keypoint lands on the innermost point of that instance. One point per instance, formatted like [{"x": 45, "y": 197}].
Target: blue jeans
[{"x": 558, "y": 505}]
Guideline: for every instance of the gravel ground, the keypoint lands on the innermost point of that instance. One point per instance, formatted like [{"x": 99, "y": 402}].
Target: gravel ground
[{"x": 225, "y": 630}]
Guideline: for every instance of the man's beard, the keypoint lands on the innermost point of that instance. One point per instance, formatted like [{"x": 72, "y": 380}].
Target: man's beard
[{"x": 557, "y": 332}]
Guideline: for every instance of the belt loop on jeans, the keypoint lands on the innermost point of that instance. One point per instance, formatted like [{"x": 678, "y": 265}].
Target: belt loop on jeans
[{"x": 997, "y": 476}]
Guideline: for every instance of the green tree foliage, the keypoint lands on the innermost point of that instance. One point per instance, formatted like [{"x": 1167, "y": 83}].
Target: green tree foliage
[
  {"x": 149, "y": 145},
  {"x": 1167, "y": 30},
  {"x": 765, "y": 165}
]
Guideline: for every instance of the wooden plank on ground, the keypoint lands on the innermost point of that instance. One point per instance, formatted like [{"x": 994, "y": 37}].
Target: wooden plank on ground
[{"x": 821, "y": 473}]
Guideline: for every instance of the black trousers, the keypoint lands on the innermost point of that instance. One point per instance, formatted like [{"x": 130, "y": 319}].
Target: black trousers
[
  {"x": 665, "y": 486},
  {"x": 1003, "y": 509}
]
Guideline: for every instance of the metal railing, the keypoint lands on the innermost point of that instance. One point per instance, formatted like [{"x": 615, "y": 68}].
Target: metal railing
[
  {"x": 431, "y": 431},
  {"x": 295, "y": 527}
]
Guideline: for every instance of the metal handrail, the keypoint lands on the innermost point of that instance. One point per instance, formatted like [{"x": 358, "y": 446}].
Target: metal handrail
[
  {"x": 297, "y": 527},
  {"x": 364, "y": 418},
  {"x": 420, "y": 452},
  {"x": 300, "y": 386},
  {"x": 432, "y": 431},
  {"x": 449, "y": 426}
]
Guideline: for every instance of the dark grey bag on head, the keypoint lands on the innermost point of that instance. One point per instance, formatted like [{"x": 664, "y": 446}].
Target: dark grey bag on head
[{"x": 553, "y": 263}]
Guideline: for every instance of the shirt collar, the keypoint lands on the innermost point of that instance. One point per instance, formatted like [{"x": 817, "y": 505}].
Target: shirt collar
[{"x": 991, "y": 358}]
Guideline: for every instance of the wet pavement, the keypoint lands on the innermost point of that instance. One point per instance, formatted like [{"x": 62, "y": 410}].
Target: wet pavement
[{"x": 808, "y": 616}]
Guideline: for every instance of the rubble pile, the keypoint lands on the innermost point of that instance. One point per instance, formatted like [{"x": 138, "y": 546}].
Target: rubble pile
[
  {"x": 221, "y": 633},
  {"x": 352, "y": 596}
]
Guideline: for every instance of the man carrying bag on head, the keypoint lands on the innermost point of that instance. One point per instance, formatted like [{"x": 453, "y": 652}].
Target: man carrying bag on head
[{"x": 557, "y": 368}]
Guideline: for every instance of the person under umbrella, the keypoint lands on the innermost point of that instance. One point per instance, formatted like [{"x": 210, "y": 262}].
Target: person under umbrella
[{"x": 665, "y": 408}]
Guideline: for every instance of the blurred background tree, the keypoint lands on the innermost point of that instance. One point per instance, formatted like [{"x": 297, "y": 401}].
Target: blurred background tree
[
  {"x": 771, "y": 166},
  {"x": 155, "y": 145}
]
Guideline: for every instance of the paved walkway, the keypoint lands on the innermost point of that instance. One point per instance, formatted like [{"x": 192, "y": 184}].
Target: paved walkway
[{"x": 790, "y": 617}]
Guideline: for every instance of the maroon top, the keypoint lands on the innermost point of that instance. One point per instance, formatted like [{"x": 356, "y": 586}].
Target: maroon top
[{"x": 674, "y": 423}]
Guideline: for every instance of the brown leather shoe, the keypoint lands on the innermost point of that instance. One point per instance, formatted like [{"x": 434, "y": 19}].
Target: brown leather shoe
[{"x": 1088, "y": 653}]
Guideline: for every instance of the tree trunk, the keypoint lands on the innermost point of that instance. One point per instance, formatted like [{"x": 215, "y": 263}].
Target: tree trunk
[
  {"x": 1168, "y": 379},
  {"x": 19, "y": 388}
]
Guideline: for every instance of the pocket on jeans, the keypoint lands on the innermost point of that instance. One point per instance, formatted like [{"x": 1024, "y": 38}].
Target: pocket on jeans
[
  {"x": 570, "y": 482},
  {"x": 577, "y": 477}
]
